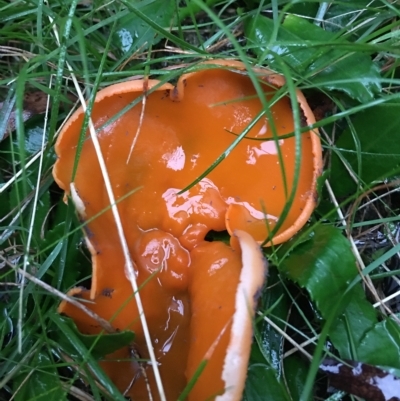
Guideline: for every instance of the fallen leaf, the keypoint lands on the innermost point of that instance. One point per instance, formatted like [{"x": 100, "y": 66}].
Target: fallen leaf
[{"x": 362, "y": 380}]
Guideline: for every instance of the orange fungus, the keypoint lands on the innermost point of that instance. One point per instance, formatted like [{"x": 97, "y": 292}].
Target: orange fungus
[{"x": 198, "y": 296}]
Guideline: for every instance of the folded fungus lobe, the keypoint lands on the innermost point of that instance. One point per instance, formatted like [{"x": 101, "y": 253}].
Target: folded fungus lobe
[{"x": 199, "y": 296}]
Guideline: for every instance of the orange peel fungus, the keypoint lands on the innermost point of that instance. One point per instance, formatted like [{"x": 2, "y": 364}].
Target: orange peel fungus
[{"x": 198, "y": 296}]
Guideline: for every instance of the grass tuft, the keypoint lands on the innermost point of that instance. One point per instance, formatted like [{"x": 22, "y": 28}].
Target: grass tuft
[{"x": 344, "y": 56}]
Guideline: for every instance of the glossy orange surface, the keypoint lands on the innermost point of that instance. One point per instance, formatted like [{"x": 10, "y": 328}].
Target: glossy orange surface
[
  {"x": 212, "y": 308},
  {"x": 183, "y": 278}
]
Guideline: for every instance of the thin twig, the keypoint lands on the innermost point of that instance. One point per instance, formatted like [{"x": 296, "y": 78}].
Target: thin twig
[
  {"x": 285, "y": 335},
  {"x": 76, "y": 392},
  {"x": 388, "y": 298},
  {"x": 141, "y": 118},
  {"x": 102, "y": 322},
  {"x": 301, "y": 346}
]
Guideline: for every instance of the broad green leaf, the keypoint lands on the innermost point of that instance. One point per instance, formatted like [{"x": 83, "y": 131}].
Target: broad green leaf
[
  {"x": 101, "y": 345},
  {"x": 296, "y": 369},
  {"x": 275, "y": 303},
  {"x": 324, "y": 265},
  {"x": 381, "y": 345},
  {"x": 358, "y": 317},
  {"x": 378, "y": 149},
  {"x": 134, "y": 34},
  {"x": 43, "y": 384},
  {"x": 309, "y": 51},
  {"x": 262, "y": 383}
]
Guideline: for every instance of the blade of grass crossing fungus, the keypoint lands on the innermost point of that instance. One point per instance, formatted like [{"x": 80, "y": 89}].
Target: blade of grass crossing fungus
[
  {"x": 186, "y": 391},
  {"x": 259, "y": 91},
  {"x": 142, "y": 111},
  {"x": 123, "y": 242},
  {"x": 297, "y": 127},
  {"x": 134, "y": 103},
  {"x": 224, "y": 154},
  {"x": 92, "y": 97}
]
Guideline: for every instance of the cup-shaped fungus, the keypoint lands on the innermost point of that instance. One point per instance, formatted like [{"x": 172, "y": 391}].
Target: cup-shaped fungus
[{"x": 198, "y": 296}]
